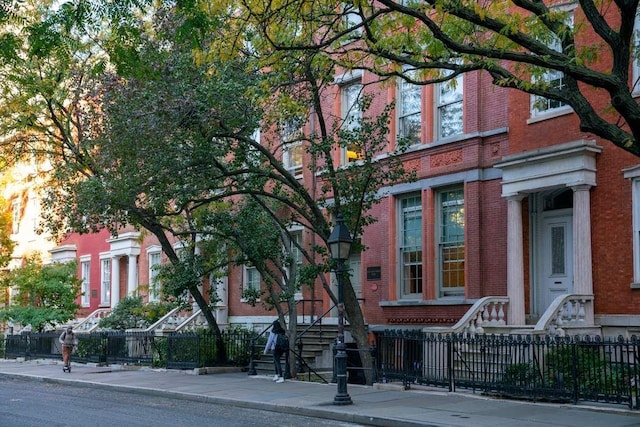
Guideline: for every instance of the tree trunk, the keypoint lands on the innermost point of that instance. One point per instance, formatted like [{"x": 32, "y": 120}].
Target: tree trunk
[{"x": 358, "y": 329}]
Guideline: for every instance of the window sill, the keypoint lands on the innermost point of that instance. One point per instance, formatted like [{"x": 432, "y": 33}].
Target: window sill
[
  {"x": 635, "y": 285},
  {"x": 551, "y": 114}
]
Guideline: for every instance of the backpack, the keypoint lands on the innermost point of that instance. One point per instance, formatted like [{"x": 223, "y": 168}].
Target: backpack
[{"x": 282, "y": 342}]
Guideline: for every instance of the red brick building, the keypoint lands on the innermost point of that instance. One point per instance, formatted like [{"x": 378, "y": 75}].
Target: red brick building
[{"x": 511, "y": 201}]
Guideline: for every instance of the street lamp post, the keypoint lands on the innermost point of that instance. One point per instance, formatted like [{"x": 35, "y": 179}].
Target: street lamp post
[{"x": 340, "y": 245}]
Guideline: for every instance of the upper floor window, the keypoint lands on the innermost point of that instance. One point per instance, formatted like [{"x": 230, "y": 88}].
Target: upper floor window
[
  {"x": 292, "y": 151},
  {"x": 15, "y": 216},
  {"x": 409, "y": 111},
  {"x": 554, "y": 79},
  {"x": 449, "y": 117},
  {"x": 352, "y": 118},
  {"x": 410, "y": 246},
  {"x": 251, "y": 280},
  {"x": 253, "y": 155},
  {"x": 351, "y": 19},
  {"x": 295, "y": 243},
  {"x": 635, "y": 71},
  {"x": 451, "y": 244}
]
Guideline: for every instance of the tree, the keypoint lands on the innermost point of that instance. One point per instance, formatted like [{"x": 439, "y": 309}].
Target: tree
[
  {"x": 295, "y": 113},
  {"x": 518, "y": 43},
  {"x": 153, "y": 157},
  {"x": 44, "y": 294}
]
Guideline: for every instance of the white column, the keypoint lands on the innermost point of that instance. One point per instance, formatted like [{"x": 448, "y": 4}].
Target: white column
[
  {"x": 115, "y": 281},
  {"x": 132, "y": 275},
  {"x": 515, "y": 262},
  {"x": 582, "y": 273}
]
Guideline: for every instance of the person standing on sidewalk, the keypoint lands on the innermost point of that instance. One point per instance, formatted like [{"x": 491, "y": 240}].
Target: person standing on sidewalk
[
  {"x": 68, "y": 341},
  {"x": 278, "y": 342}
]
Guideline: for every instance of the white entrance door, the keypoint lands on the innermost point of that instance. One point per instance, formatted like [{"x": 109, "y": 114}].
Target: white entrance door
[{"x": 556, "y": 258}]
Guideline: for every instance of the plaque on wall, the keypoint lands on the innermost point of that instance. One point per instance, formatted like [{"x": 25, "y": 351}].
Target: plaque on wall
[{"x": 374, "y": 273}]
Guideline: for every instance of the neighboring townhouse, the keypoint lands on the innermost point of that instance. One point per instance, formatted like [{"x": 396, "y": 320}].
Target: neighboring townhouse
[
  {"x": 439, "y": 242},
  {"x": 21, "y": 191},
  {"x": 20, "y": 188}
]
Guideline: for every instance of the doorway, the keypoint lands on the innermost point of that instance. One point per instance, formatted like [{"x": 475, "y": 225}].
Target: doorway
[{"x": 553, "y": 249}]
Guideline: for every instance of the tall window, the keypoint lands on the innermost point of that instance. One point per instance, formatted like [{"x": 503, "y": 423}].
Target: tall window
[
  {"x": 350, "y": 19},
  {"x": 409, "y": 111},
  {"x": 105, "y": 282},
  {"x": 154, "y": 286},
  {"x": 251, "y": 278},
  {"x": 352, "y": 116},
  {"x": 451, "y": 249},
  {"x": 290, "y": 132},
  {"x": 85, "y": 274},
  {"x": 15, "y": 216},
  {"x": 635, "y": 74},
  {"x": 554, "y": 80},
  {"x": 449, "y": 112},
  {"x": 634, "y": 175},
  {"x": 410, "y": 246}
]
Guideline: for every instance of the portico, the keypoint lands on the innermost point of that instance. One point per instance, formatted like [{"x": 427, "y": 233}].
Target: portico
[
  {"x": 560, "y": 229},
  {"x": 124, "y": 245}
]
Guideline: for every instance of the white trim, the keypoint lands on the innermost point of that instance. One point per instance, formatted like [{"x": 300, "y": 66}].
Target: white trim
[
  {"x": 633, "y": 174},
  {"x": 569, "y": 164},
  {"x": 152, "y": 251},
  {"x": 85, "y": 276}
]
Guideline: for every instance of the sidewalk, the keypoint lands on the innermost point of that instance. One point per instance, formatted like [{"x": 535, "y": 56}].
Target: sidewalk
[{"x": 389, "y": 406}]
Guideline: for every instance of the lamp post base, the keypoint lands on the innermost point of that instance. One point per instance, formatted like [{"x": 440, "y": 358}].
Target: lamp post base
[
  {"x": 342, "y": 400},
  {"x": 341, "y": 397}
]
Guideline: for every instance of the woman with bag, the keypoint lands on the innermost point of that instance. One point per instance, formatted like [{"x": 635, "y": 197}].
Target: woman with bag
[{"x": 279, "y": 344}]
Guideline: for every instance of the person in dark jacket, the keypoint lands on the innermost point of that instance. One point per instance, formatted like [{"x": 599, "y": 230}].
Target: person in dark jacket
[{"x": 271, "y": 345}]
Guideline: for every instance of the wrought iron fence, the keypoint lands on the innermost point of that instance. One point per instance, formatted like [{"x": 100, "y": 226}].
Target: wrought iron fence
[
  {"x": 569, "y": 369},
  {"x": 174, "y": 351}
]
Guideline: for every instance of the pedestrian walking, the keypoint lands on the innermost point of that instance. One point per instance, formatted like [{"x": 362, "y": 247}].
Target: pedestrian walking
[
  {"x": 69, "y": 341},
  {"x": 278, "y": 343}
]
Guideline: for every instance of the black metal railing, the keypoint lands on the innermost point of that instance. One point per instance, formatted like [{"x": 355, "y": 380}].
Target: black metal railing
[
  {"x": 183, "y": 350},
  {"x": 567, "y": 369}
]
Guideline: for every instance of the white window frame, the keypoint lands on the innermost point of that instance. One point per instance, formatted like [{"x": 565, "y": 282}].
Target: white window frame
[
  {"x": 15, "y": 216},
  {"x": 633, "y": 174},
  {"x": 294, "y": 230},
  {"x": 351, "y": 18},
  {"x": 35, "y": 213},
  {"x": 635, "y": 57},
  {"x": 553, "y": 107},
  {"x": 406, "y": 112},
  {"x": 449, "y": 94},
  {"x": 85, "y": 276},
  {"x": 408, "y": 213},
  {"x": 154, "y": 257},
  {"x": 292, "y": 148},
  {"x": 248, "y": 279},
  {"x": 443, "y": 246},
  {"x": 351, "y": 114},
  {"x": 105, "y": 280}
]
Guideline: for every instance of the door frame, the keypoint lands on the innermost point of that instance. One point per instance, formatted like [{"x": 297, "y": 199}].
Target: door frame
[{"x": 538, "y": 217}]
